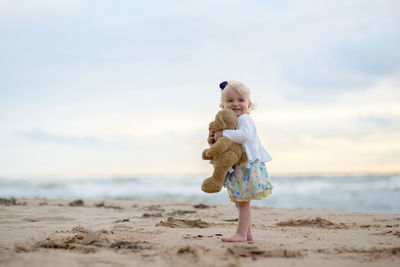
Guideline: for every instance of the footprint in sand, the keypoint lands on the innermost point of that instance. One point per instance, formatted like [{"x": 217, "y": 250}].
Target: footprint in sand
[
  {"x": 180, "y": 212},
  {"x": 48, "y": 219},
  {"x": 369, "y": 253},
  {"x": 254, "y": 252},
  {"x": 189, "y": 236},
  {"x": 180, "y": 223},
  {"x": 317, "y": 222},
  {"x": 82, "y": 240},
  {"x": 388, "y": 232},
  {"x": 154, "y": 208}
]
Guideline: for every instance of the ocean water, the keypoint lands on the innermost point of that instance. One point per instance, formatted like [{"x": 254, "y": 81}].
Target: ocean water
[{"x": 378, "y": 193}]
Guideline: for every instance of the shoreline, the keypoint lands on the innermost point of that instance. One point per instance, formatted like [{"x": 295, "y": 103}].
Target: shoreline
[
  {"x": 48, "y": 232},
  {"x": 375, "y": 194}
]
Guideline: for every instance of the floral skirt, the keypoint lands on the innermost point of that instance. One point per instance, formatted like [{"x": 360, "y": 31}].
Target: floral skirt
[{"x": 245, "y": 184}]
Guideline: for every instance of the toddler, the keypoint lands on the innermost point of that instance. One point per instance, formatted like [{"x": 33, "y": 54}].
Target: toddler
[{"x": 249, "y": 180}]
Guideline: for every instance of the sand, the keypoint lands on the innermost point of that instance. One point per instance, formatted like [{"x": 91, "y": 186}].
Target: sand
[{"x": 39, "y": 232}]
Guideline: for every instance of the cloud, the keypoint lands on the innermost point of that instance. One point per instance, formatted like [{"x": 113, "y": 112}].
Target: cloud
[
  {"x": 24, "y": 11},
  {"x": 43, "y": 153},
  {"x": 41, "y": 136},
  {"x": 351, "y": 114},
  {"x": 101, "y": 83},
  {"x": 383, "y": 123},
  {"x": 370, "y": 54},
  {"x": 316, "y": 52}
]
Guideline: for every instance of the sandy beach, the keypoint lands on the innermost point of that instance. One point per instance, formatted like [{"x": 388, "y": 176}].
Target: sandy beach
[{"x": 43, "y": 232}]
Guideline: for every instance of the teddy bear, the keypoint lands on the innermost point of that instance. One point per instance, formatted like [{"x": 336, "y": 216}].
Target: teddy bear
[{"x": 224, "y": 152}]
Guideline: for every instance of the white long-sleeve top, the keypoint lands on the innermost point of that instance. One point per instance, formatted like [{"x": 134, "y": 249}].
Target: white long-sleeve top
[{"x": 246, "y": 135}]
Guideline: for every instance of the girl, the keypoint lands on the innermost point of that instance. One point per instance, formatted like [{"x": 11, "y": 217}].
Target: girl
[{"x": 249, "y": 180}]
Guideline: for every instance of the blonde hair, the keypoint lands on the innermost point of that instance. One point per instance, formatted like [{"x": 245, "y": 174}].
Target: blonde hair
[{"x": 241, "y": 89}]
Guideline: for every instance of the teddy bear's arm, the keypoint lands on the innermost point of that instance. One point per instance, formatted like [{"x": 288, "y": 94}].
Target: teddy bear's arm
[
  {"x": 222, "y": 144},
  {"x": 204, "y": 155}
]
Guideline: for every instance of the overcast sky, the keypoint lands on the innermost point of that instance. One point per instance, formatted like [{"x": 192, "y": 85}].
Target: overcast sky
[{"x": 125, "y": 88}]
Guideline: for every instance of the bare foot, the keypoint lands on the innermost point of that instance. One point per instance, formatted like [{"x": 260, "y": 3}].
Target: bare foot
[
  {"x": 250, "y": 237},
  {"x": 235, "y": 238}
]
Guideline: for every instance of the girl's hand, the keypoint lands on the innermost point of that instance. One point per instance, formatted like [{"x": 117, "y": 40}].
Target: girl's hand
[
  {"x": 217, "y": 135},
  {"x": 210, "y": 138}
]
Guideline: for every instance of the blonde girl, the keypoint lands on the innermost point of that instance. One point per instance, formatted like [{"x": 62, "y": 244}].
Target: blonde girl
[{"x": 250, "y": 180}]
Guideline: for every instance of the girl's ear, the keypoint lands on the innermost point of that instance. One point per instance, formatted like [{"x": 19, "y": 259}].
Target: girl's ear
[
  {"x": 221, "y": 106},
  {"x": 249, "y": 107}
]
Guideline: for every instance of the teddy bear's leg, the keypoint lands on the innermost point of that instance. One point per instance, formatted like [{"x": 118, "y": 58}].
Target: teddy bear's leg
[
  {"x": 222, "y": 145},
  {"x": 214, "y": 183}
]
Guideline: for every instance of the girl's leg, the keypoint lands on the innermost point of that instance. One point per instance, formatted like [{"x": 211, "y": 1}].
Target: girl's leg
[
  {"x": 249, "y": 232},
  {"x": 242, "y": 230}
]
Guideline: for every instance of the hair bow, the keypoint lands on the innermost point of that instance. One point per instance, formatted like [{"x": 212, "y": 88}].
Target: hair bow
[{"x": 223, "y": 84}]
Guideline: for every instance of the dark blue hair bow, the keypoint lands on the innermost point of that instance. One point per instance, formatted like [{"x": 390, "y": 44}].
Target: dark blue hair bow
[{"x": 223, "y": 84}]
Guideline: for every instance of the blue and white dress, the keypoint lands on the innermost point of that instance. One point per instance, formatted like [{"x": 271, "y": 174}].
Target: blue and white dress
[
  {"x": 248, "y": 180},
  {"x": 245, "y": 184}
]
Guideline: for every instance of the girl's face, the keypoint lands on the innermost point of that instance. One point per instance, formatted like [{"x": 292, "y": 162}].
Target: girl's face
[{"x": 234, "y": 101}]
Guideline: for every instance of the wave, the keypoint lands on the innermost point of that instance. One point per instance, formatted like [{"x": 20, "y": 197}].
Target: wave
[{"x": 379, "y": 193}]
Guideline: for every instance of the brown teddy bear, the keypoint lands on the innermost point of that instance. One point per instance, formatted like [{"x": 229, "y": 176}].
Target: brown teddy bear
[{"x": 224, "y": 152}]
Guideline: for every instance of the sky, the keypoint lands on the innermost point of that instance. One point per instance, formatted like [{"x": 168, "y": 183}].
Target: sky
[{"x": 128, "y": 88}]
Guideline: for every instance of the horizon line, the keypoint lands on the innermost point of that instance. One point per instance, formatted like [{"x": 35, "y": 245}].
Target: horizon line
[{"x": 182, "y": 175}]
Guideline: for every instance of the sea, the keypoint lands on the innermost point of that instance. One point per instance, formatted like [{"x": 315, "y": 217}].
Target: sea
[{"x": 355, "y": 192}]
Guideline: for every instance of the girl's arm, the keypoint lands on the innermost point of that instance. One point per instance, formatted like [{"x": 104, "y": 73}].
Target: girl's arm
[
  {"x": 210, "y": 139},
  {"x": 244, "y": 130}
]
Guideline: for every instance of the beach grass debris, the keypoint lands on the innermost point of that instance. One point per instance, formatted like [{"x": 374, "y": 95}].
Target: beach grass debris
[
  {"x": 76, "y": 203},
  {"x": 189, "y": 236},
  {"x": 126, "y": 245},
  {"x": 8, "y": 201},
  {"x": 11, "y": 202},
  {"x": 181, "y": 212},
  {"x": 122, "y": 220},
  {"x": 231, "y": 220},
  {"x": 201, "y": 206},
  {"x": 102, "y": 205}
]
